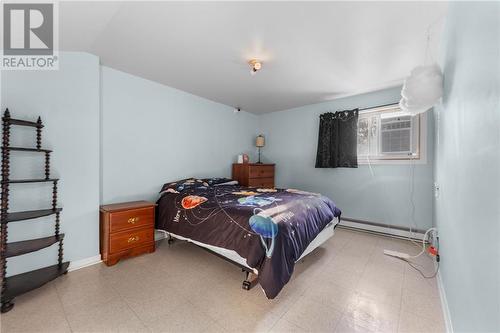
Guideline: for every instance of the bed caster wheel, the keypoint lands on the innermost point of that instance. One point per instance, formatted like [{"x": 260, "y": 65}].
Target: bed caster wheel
[{"x": 246, "y": 285}]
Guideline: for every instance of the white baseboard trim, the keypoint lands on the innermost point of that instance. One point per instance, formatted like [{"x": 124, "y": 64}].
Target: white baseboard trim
[
  {"x": 444, "y": 304},
  {"x": 385, "y": 230},
  {"x": 77, "y": 264}
]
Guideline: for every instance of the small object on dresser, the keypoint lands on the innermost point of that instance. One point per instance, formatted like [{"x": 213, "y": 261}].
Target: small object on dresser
[
  {"x": 245, "y": 158},
  {"x": 127, "y": 229},
  {"x": 240, "y": 159},
  {"x": 254, "y": 174}
]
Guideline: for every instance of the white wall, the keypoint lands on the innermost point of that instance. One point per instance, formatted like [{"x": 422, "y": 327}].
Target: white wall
[
  {"x": 378, "y": 194},
  {"x": 68, "y": 102},
  {"x": 468, "y": 167},
  {"x": 153, "y": 134}
]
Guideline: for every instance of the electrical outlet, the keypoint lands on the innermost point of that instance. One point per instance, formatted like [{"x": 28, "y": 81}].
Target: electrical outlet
[{"x": 436, "y": 190}]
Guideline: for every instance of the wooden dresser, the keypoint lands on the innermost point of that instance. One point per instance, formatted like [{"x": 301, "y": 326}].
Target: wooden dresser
[
  {"x": 254, "y": 174},
  {"x": 127, "y": 229}
]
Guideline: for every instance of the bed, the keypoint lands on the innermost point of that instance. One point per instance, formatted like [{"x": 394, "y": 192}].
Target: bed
[{"x": 264, "y": 231}]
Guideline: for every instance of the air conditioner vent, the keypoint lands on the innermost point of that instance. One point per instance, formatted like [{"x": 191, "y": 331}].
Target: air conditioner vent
[{"x": 396, "y": 134}]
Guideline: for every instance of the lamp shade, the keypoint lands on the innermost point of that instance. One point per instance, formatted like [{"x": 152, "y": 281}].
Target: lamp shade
[{"x": 260, "y": 141}]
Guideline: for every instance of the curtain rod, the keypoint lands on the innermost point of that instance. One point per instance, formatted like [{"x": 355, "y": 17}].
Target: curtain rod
[{"x": 379, "y": 106}]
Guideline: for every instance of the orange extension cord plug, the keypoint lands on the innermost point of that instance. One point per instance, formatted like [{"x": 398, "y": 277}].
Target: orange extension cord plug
[{"x": 432, "y": 251}]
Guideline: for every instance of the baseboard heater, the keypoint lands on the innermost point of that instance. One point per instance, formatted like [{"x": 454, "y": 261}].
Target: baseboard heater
[
  {"x": 361, "y": 225},
  {"x": 381, "y": 228}
]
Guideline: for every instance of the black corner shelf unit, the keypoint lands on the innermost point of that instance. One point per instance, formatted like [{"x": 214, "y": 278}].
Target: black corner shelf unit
[{"x": 16, "y": 285}]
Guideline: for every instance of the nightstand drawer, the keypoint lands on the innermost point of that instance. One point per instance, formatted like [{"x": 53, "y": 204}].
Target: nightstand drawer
[
  {"x": 253, "y": 174},
  {"x": 128, "y": 239},
  {"x": 131, "y": 219},
  {"x": 261, "y": 182},
  {"x": 264, "y": 171}
]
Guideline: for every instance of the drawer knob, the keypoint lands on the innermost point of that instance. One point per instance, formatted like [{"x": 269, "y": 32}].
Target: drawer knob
[
  {"x": 133, "y": 239},
  {"x": 132, "y": 220}
]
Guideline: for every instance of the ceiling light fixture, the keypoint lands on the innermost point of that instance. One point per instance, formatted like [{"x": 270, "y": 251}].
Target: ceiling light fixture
[{"x": 255, "y": 65}]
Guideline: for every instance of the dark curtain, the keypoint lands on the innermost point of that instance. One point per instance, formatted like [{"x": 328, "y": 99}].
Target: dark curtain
[{"x": 338, "y": 140}]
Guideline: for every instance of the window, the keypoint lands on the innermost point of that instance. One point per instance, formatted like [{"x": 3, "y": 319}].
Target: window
[{"x": 388, "y": 134}]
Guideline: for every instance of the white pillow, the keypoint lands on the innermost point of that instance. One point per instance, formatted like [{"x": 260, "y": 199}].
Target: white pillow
[{"x": 232, "y": 182}]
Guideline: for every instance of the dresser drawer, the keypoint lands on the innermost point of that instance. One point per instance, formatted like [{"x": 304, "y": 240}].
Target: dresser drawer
[
  {"x": 264, "y": 171},
  {"x": 261, "y": 182},
  {"x": 131, "y": 219},
  {"x": 128, "y": 239}
]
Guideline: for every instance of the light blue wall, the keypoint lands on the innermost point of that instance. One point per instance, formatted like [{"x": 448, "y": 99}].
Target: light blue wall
[
  {"x": 382, "y": 196},
  {"x": 68, "y": 102},
  {"x": 468, "y": 167},
  {"x": 153, "y": 134}
]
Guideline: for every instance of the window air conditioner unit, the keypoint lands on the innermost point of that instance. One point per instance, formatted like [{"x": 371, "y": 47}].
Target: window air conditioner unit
[{"x": 396, "y": 135}]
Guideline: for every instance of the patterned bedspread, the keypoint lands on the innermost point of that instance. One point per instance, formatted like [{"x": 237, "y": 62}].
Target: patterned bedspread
[{"x": 270, "y": 228}]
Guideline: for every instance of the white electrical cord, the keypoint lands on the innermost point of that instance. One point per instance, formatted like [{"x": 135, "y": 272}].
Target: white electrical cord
[
  {"x": 413, "y": 221},
  {"x": 370, "y": 165},
  {"x": 423, "y": 242},
  {"x": 404, "y": 256}
]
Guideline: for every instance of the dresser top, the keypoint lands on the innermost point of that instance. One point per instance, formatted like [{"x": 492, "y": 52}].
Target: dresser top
[
  {"x": 126, "y": 206},
  {"x": 255, "y": 164}
]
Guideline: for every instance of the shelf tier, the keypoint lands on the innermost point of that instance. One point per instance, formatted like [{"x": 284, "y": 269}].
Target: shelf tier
[
  {"x": 21, "y": 283},
  {"x": 28, "y": 149},
  {"x": 22, "y": 181},
  {"x": 30, "y": 214},
  {"x": 24, "y": 123},
  {"x": 31, "y": 245}
]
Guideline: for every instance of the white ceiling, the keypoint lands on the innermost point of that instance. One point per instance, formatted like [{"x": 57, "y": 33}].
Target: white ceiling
[{"x": 311, "y": 51}]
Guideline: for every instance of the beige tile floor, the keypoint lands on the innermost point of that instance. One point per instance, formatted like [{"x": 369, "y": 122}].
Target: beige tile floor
[{"x": 347, "y": 285}]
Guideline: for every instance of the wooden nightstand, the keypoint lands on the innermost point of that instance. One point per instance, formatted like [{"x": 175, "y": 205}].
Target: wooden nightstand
[
  {"x": 127, "y": 229},
  {"x": 254, "y": 174}
]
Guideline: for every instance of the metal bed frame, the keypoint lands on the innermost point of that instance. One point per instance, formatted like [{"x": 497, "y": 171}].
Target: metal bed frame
[{"x": 247, "y": 283}]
